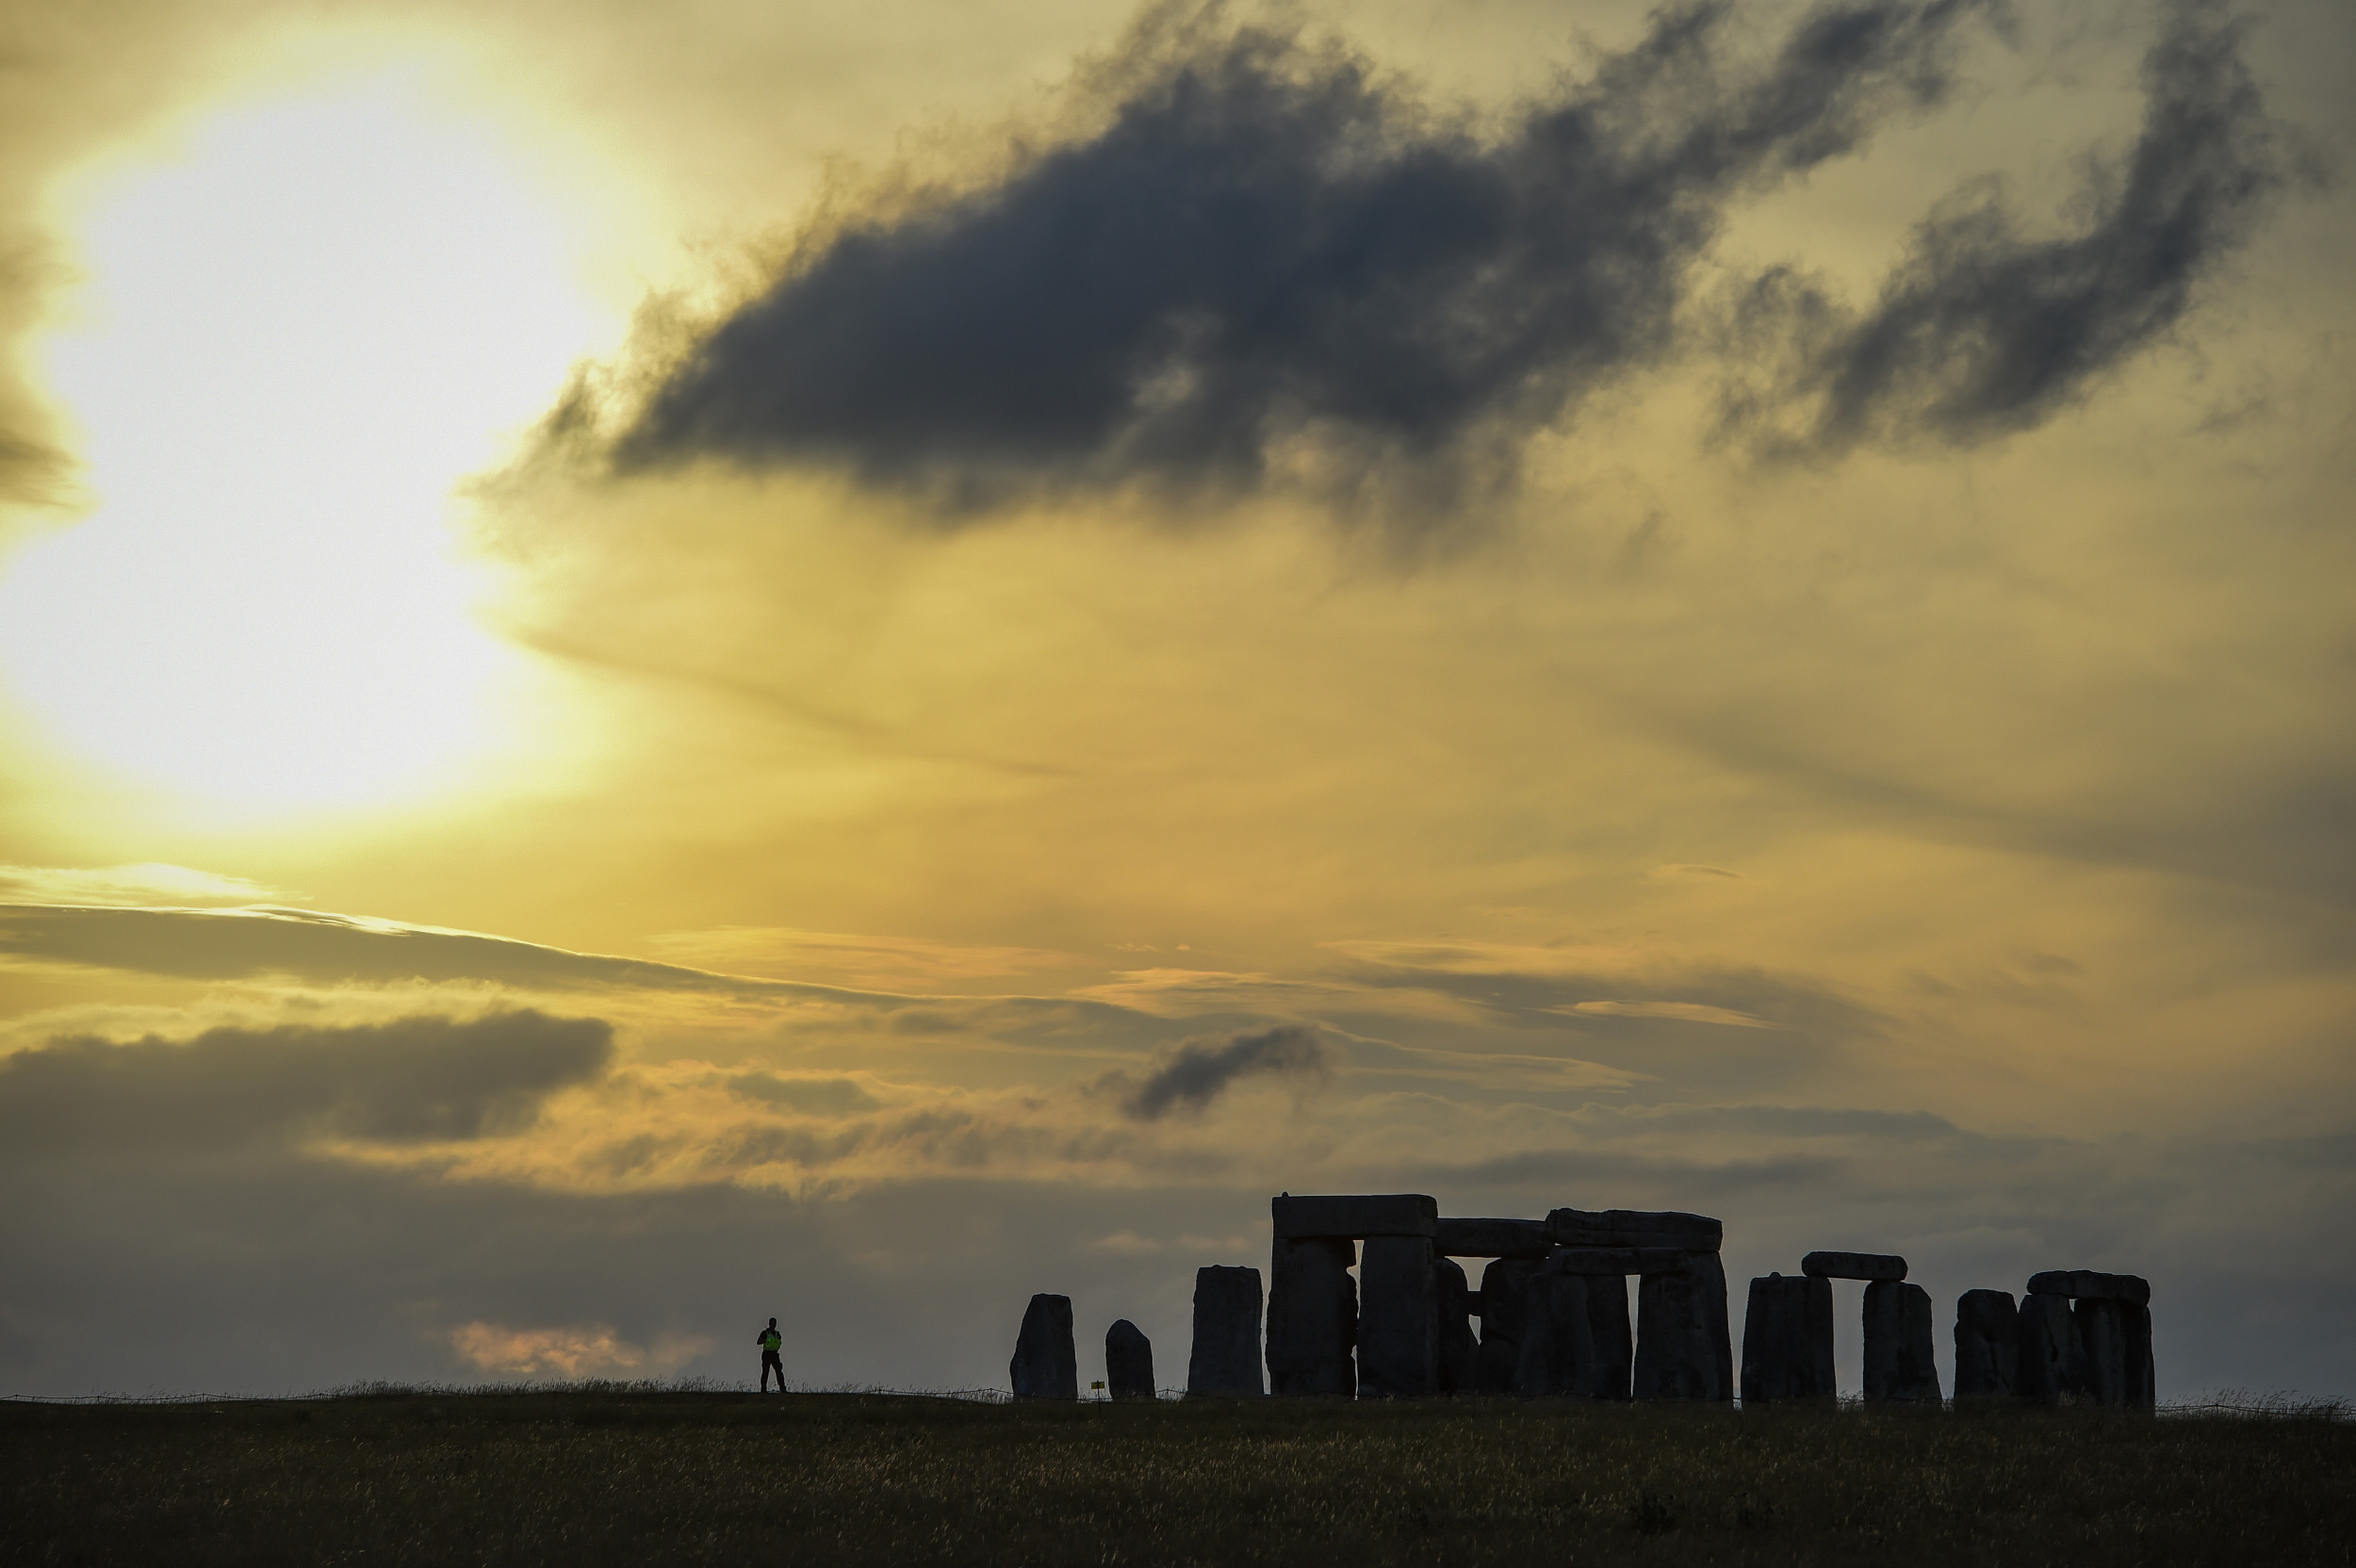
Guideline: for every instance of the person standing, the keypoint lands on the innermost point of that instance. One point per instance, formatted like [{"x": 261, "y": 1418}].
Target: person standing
[{"x": 769, "y": 1339}]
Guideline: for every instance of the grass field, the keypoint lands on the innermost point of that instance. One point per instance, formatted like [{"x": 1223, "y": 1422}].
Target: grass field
[{"x": 628, "y": 1477}]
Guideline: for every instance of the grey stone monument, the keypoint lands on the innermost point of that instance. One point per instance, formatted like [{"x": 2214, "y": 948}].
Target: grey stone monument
[
  {"x": 1558, "y": 1349},
  {"x": 1613, "y": 1336},
  {"x": 1128, "y": 1362},
  {"x": 1504, "y": 1312},
  {"x": 1681, "y": 1349},
  {"x": 2108, "y": 1354},
  {"x": 1399, "y": 1351},
  {"x": 1313, "y": 1318},
  {"x": 1786, "y": 1339},
  {"x": 1898, "y": 1363},
  {"x": 2042, "y": 1372},
  {"x": 1225, "y": 1360},
  {"x": 1460, "y": 1353},
  {"x": 2098, "y": 1343},
  {"x": 2143, "y": 1391},
  {"x": 1044, "y": 1364},
  {"x": 1988, "y": 1344}
]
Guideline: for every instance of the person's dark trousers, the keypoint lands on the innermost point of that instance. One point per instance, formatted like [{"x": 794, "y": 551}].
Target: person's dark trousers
[{"x": 769, "y": 1362}]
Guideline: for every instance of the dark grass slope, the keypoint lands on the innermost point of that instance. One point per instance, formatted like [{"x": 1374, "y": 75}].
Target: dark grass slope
[{"x": 680, "y": 1476}]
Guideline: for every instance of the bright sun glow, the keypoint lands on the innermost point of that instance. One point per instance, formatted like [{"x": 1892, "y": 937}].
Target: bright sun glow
[{"x": 296, "y": 340}]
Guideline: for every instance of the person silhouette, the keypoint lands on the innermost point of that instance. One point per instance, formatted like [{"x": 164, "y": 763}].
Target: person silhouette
[{"x": 769, "y": 1339}]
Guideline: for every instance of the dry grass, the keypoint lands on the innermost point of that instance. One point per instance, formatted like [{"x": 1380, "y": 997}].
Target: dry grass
[{"x": 616, "y": 1475}]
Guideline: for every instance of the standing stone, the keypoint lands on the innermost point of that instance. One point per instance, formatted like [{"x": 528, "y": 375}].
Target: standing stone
[
  {"x": 1128, "y": 1362},
  {"x": 1226, "y": 1356},
  {"x": 1710, "y": 1275},
  {"x": 2099, "y": 1352},
  {"x": 2042, "y": 1372},
  {"x": 1615, "y": 1337},
  {"x": 1988, "y": 1344},
  {"x": 1786, "y": 1339},
  {"x": 1460, "y": 1353},
  {"x": 2143, "y": 1391},
  {"x": 1558, "y": 1350},
  {"x": 1680, "y": 1333},
  {"x": 1312, "y": 1317},
  {"x": 1044, "y": 1366},
  {"x": 1398, "y": 1319},
  {"x": 1504, "y": 1314},
  {"x": 1898, "y": 1364}
]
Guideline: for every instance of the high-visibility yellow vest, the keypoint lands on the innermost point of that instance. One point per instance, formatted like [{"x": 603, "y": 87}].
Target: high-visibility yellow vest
[{"x": 771, "y": 1339}]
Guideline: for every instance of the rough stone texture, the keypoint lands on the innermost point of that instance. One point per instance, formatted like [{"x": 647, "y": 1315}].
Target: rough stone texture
[
  {"x": 1402, "y": 1214},
  {"x": 1226, "y": 1356},
  {"x": 2143, "y": 1390},
  {"x": 1460, "y": 1353},
  {"x": 1622, "y": 1260},
  {"x": 1680, "y": 1333},
  {"x": 1504, "y": 1311},
  {"x": 2042, "y": 1372},
  {"x": 1786, "y": 1339},
  {"x": 1558, "y": 1349},
  {"x": 2098, "y": 1367},
  {"x": 1312, "y": 1318},
  {"x": 1398, "y": 1319},
  {"x": 1491, "y": 1238},
  {"x": 1686, "y": 1233},
  {"x": 1614, "y": 1338},
  {"x": 1854, "y": 1266},
  {"x": 1898, "y": 1362},
  {"x": 1988, "y": 1344},
  {"x": 1044, "y": 1364},
  {"x": 1128, "y": 1362},
  {"x": 2085, "y": 1285}
]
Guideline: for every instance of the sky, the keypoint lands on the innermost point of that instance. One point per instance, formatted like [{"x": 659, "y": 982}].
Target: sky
[{"x": 664, "y": 665}]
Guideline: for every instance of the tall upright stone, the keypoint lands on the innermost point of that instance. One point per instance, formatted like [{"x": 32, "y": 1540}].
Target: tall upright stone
[
  {"x": 1786, "y": 1339},
  {"x": 1460, "y": 1353},
  {"x": 1613, "y": 1334},
  {"x": 1504, "y": 1315},
  {"x": 1045, "y": 1366},
  {"x": 1898, "y": 1362},
  {"x": 1312, "y": 1317},
  {"x": 1225, "y": 1360},
  {"x": 1398, "y": 1319},
  {"x": 1128, "y": 1362},
  {"x": 1558, "y": 1349},
  {"x": 1680, "y": 1333},
  {"x": 2143, "y": 1390},
  {"x": 2042, "y": 1372},
  {"x": 2098, "y": 1342},
  {"x": 1988, "y": 1344}
]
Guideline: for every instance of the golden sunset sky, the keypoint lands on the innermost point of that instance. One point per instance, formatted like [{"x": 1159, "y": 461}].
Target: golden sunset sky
[{"x": 660, "y": 664}]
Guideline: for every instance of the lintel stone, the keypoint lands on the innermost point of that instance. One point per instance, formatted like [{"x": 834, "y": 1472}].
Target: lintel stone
[
  {"x": 1617, "y": 1260},
  {"x": 1355, "y": 1216},
  {"x": 1491, "y": 1238},
  {"x": 1685, "y": 1232},
  {"x": 1854, "y": 1266},
  {"x": 2085, "y": 1285}
]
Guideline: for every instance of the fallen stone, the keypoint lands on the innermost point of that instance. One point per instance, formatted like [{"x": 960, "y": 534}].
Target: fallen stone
[
  {"x": 1898, "y": 1364},
  {"x": 2085, "y": 1285},
  {"x": 1460, "y": 1353},
  {"x": 1128, "y": 1362},
  {"x": 1312, "y": 1317},
  {"x": 1491, "y": 1238},
  {"x": 2099, "y": 1345},
  {"x": 2042, "y": 1372},
  {"x": 2143, "y": 1391},
  {"x": 1988, "y": 1344},
  {"x": 1613, "y": 1336},
  {"x": 1045, "y": 1365},
  {"x": 1225, "y": 1360},
  {"x": 1680, "y": 1333},
  {"x": 1405, "y": 1214},
  {"x": 1622, "y": 1260},
  {"x": 1685, "y": 1232},
  {"x": 1786, "y": 1339},
  {"x": 1399, "y": 1348},
  {"x": 1504, "y": 1311},
  {"x": 1854, "y": 1266},
  {"x": 1558, "y": 1350}
]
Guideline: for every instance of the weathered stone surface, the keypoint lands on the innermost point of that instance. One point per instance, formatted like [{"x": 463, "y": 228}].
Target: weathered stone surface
[
  {"x": 1504, "y": 1311},
  {"x": 2085, "y": 1285},
  {"x": 1398, "y": 1320},
  {"x": 1786, "y": 1339},
  {"x": 1312, "y": 1317},
  {"x": 1128, "y": 1362},
  {"x": 1898, "y": 1363},
  {"x": 1622, "y": 1260},
  {"x": 1402, "y": 1214},
  {"x": 1685, "y": 1232},
  {"x": 1558, "y": 1350},
  {"x": 1988, "y": 1344},
  {"x": 1614, "y": 1335},
  {"x": 1491, "y": 1238},
  {"x": 1226, "y": 1356},
  {"x": 2098, "y": 1367},
  {"x": 2042, "y": 1373},
  {"x": 2143, "y": 1391},
  {"x": 1854, "y": 1266},
  {"x": 1045, "y": 1366},
  {"x": 1680, "y": 1333},
  {"x": 1460, "y": 1353}
]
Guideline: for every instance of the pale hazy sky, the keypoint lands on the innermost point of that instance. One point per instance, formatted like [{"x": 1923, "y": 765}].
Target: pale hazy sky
[{"x": 658, "y": 665}]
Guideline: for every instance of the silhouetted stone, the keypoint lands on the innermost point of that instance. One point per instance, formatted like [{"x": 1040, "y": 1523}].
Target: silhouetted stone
[
  {"x": 1557, "y": 1351},
  {"x": 1786, "y": 1339},
  {"x": 1504, "y": 1312},
  {"x": 1898, "y": 1362},
  {"x": 1614, "y": 1335},
  {"x": 1398, "y": 1321},
  {"x": 2098, "y": 1370},
  {"x": 1226, "y": 1355},
  {"x": 1312, "y": 1317},
  {"x": 1491, "y": 1238},
  {"x": 2143, "y": 1391},
  {"x": 1401, "y": 1213},
  {"x": 1044, "y": 1364},
  {"x": 1988, "y": 1344},
  {"x": 1460, "y": 1353},
  {"x": 1128, "y": 1362},
  {"x": 1684, "y": 1233},
  {"x": 1854, "y": 1266},
  {"x": 1680, "y": 1333},
  {"x": 2085, "y": 1285},
  {"x": 2042, "y": 1373},
  {"x": 1622, "y": 1260}
]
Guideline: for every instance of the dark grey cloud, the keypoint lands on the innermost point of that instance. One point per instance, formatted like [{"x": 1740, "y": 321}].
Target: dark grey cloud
[
  {"x": 1983, "y": 331},
  {"x": 414, "y": 1079},
  {"x": 1265, "y": 242},
  {"x": 1197, "y": 1071}
]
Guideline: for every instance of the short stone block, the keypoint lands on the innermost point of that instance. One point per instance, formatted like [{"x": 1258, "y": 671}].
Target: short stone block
[
  {"x": 1128, "y": 1362},
  {"x": 1988, "y": 1344},
  {"x": 1898, "y": 1362}
]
